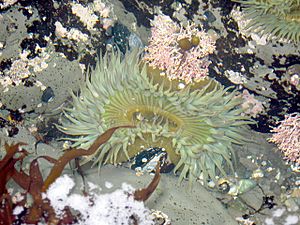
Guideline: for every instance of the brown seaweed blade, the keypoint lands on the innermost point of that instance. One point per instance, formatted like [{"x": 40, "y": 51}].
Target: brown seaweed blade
[
  {"x": 145, "y": 193},
  {"x": 35, "y": 185},
  {"x": 74, "y": 153},
  {"x": 10, "y": 152},
  {"x": 7, "y": 164}
]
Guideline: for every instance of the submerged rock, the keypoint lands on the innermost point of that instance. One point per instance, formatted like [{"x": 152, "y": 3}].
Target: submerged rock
[{"x": 180, "y": 204}]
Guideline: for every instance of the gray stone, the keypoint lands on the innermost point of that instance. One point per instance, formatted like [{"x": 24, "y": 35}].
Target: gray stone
[{"x": 183, "y": 206}]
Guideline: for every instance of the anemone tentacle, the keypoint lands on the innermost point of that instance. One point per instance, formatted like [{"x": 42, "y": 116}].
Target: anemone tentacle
[
  {"x": 275, "y": 18},
  {"x": 196, "y": 126}
]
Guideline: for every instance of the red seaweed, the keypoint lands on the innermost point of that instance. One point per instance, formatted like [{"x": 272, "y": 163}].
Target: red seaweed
[{"x": 33, "y": 183}]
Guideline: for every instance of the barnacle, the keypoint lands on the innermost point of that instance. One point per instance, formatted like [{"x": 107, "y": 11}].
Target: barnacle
[
  {"x": 277, "y": 18},
  {"x": 196, "y": 126}
]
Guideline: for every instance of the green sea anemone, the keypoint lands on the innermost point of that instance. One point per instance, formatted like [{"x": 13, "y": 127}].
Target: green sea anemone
[
  {"x": 278, "y": 18},
  {"x": 196, "y": 126}
]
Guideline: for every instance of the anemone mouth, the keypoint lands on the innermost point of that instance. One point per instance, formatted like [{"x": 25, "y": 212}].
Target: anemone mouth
[
  {"x": 196, "y": 126},
  {"x": 133, "y": 108}
]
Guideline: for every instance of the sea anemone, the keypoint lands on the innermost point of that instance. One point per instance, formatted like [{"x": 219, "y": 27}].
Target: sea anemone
[
  {"x": 277, "y": 18},
  {"x": 195, "y": 126}
]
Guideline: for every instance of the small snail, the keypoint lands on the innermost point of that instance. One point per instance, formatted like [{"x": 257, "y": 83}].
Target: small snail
[{"x": 223, "y": 186}]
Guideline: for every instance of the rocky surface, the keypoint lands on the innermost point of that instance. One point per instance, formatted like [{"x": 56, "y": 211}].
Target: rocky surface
[{"x": 44, "y": 66}]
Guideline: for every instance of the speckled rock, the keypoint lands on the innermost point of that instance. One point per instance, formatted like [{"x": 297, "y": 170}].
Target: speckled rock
[{"x": 61, "y": 75}]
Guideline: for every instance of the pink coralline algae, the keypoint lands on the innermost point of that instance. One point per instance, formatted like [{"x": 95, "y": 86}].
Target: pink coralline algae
[
  {"x": 179, "y": 52},
  {"x": 251, "y": 105},
  {"x": 287, "y": 137}
]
